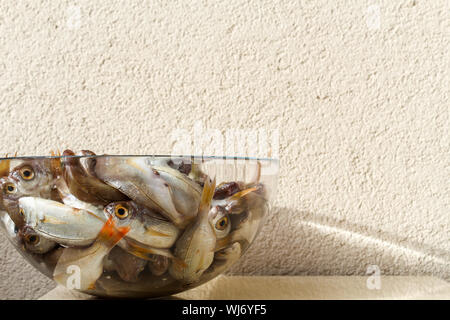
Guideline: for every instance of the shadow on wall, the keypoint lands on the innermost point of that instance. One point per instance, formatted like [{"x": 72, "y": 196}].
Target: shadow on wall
[{"x": 302, "y": 243}]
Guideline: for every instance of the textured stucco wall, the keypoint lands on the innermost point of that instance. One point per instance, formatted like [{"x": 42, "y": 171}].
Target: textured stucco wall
[{"x": 359, "y": 91}]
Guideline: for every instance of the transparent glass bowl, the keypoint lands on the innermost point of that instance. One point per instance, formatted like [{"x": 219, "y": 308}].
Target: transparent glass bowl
[{"x": 134, "y": 226}]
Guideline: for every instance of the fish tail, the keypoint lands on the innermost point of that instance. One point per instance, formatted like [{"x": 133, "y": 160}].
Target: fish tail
[
  {"x": 110, "y": 234},
  {"x": 207, "y": 196}
]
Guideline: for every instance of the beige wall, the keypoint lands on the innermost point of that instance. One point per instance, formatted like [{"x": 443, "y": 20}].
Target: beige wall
[{"x": 359, "y": 92}]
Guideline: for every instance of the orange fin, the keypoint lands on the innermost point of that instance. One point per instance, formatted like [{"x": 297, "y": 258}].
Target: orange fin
[
  {"x": 55, "y": 164},
  {"x": 242, "y": 193},
  {"x": 110, "y": 235},
  {"x": 4, "y": 167}
]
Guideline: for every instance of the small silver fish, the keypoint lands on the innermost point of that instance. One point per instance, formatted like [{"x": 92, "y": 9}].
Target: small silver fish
[
  {"x": 247, "y": 226},
  {"x": 28, "y": 178},
  {"x": 34, "y": 242},
  {"x": 83, "y": 183},
  {"x": 87, "y": 261},
  {"x": 246, "y": 210},
  {"x": 41, "y": 254},
  {"x": 27, "y": 237},
  {"x": 146, "y": 226},
  {"x": 59, "y": 222},
  {"x": 196, "y": 245},
  {"x": 220, "y": 221},
  {"x": 186, "y": 192},
  {"x": 75, "y": 227},
  {"x": 70, "y": 200},
  {"x": 134, "y": 177}
]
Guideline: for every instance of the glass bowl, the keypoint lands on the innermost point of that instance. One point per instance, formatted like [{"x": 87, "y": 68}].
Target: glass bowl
[{"x": 134, "y": 226}]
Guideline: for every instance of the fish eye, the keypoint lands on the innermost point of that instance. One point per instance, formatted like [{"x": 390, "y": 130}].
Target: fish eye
[
  {"x": 120, "y": 211},
  {"x": 222, "y": 223},
  {"x": 27, "y": 173},
  {"x": 32, "y": 239},
  {"x": 22, "y": 213},
  {"x": 10, "y": 188}
]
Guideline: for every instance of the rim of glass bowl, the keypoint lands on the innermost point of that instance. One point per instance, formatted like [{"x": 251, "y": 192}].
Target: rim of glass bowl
[{"x": 148, "y": 156}]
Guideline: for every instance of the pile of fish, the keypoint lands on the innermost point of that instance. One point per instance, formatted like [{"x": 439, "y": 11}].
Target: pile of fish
[{"x": 127, "y": 225}]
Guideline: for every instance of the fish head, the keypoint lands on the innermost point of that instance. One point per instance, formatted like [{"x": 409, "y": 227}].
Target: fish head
[
  {"x": 121, "y": 212},
  {"x": 11, "y": 191},
  {"x": 220, "y": 221},
  {"x": 34, "y": 242},
  {"x": 33, "y": 178}
]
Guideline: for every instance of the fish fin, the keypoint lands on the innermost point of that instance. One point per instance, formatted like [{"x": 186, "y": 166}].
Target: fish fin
[
  {"x": 222, "y": 243},
  {"x": 55, "y": 164},
  {"x": 257, "y": 176},
  {"x": 146, "y": 252},
  {"x": 110, "y": 235},
  {"x": 242, "y": 193},
  {"x": 62, "y": 188},
  {"x": 207, "y": 196},
  {"x": 4, "y": 166},
  {"x": 196, "y": 172},
  {"x": 236, "y": 203}
]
